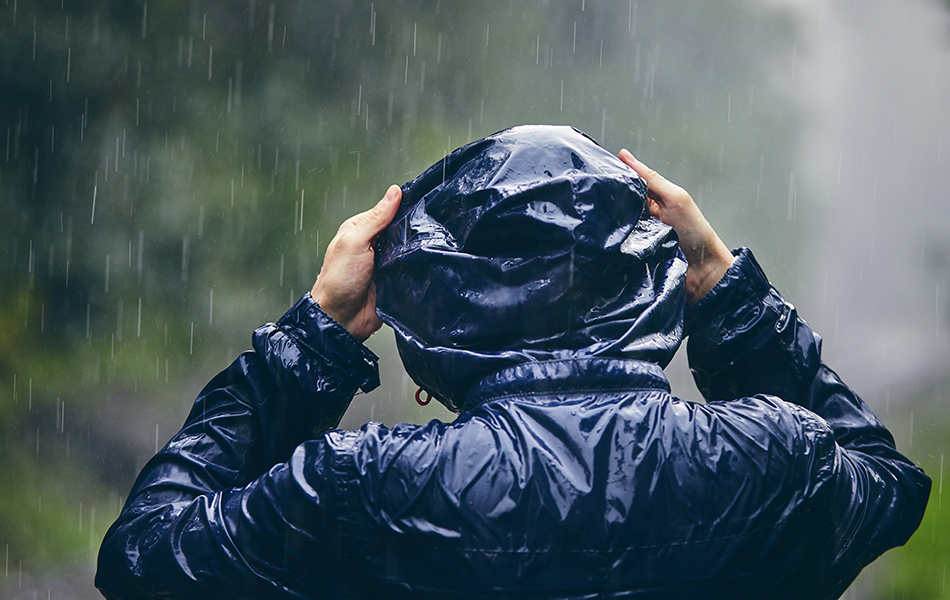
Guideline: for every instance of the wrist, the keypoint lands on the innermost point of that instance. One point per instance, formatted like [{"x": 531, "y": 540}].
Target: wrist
[
  {"x": 326, "y": 306},
  {"x": 702, "y": 278}
]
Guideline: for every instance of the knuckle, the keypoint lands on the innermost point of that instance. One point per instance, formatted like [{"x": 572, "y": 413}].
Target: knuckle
[{"x": 337, "y": 243}]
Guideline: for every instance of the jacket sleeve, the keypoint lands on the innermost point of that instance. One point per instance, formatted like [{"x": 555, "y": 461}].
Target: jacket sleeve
[
  {"x": 746, "y": 340},
  {"x": 171, "y": 538}
]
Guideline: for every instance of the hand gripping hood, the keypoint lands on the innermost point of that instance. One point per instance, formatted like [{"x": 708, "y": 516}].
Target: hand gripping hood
[{"x": 531, "y": 244}]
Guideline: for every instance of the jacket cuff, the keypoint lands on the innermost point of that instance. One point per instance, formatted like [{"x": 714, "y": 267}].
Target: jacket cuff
[
  {"x": 744, "y": 282},
  {"x": 322, "y": 337}
]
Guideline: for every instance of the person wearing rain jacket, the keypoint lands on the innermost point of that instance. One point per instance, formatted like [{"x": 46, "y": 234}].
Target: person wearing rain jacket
[{"x": 537, "y": 286}]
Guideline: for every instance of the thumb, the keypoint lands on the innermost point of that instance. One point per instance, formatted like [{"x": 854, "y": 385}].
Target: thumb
[{"x": 372, "y": 222}]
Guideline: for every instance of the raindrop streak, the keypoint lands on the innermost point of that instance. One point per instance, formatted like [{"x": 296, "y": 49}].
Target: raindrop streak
[
  {"x": 940, "y": 485},
  {"x": 95, "y": 191},
  {"x": 141, "y": 250},
  {"x": 270, "y": 28},
  {"x": 910, "y": 440},
  {"x": 791, "y": 197},
  {"x": 372, "y": 23},
  {"x": 211, "y": 309},
  {"x": 184, "y": 259},
  {"x": 191, "y": 343},
  {"x": 144, "y": 18},
  {"x": 92, "y": 528},
  {"x": 138, "y": 328}
]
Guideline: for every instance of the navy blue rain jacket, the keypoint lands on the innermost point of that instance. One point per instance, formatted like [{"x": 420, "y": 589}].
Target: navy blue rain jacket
[{"x": 571, "y": 471}]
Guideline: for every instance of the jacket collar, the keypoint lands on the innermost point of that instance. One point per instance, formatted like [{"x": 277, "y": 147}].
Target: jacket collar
[{"x": 599, "y": 375}]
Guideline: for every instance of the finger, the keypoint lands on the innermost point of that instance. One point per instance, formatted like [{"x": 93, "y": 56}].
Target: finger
[
  {"x": 367, "y": 225},
  {"x": 659, "y": 187}
]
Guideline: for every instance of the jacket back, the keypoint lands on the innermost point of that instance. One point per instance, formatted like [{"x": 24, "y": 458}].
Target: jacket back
[{"x": 571, "y": 472}]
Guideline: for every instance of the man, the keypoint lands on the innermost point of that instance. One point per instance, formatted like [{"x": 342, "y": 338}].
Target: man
[{"x": 536, "y": 286}]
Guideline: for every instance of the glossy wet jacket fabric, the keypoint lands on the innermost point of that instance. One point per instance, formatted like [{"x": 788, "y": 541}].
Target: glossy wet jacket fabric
[
  {"x": 532, "y": 244},
  {"x": 568, "y": 477}
]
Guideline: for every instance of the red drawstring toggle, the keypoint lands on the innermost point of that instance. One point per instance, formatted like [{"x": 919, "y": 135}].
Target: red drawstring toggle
[{"x": 419, "y": 397}]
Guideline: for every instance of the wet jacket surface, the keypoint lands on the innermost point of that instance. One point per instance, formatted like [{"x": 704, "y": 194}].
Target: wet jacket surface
[
  {"x": 566, "y": 479},
  {"x": 530, "y": 292}
]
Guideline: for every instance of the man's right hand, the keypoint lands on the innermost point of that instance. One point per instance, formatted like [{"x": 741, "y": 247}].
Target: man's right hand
[
  {"x": 345, "y": 289},
  {"x": 707, "y": 256}
]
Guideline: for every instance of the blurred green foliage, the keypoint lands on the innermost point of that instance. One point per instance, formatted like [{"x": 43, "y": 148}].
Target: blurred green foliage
[{"x": 918, "y": 570}]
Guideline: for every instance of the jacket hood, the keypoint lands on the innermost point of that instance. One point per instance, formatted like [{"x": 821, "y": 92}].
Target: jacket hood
[{"x": 531, "y": 244}]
